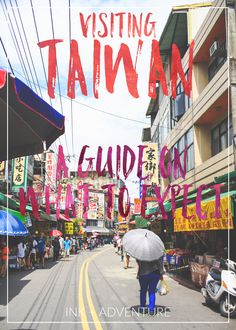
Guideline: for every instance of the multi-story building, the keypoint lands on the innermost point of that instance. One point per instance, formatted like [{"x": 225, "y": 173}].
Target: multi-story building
[
  {"x": 97, "y": 210},
  {"x": 205, "y": 122}
]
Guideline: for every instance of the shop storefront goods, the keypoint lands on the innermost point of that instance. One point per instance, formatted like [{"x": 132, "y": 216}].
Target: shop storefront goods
[
  {"x": 11, "y": 226},
  {"x": 225, "y": 220},
  {"x": 33, "y": 125},
  {"x": 143, "y": 245}
]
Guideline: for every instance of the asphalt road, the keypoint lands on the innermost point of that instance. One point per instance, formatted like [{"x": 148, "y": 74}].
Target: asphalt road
[{"x": 93, "y": 291}]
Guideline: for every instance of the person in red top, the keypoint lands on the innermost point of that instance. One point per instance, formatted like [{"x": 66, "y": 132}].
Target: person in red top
[{"x": 4, "y": 255}]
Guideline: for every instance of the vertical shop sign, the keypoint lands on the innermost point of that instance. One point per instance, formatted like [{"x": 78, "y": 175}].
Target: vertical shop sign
[
  {"x": 150, "y": 167},
  {"x": 96, "y": 206},
  {"x": 80, "y": 201},
  {"x": 50, "y": 177},
  {"x": 19, "y": 173},
  {"x": 64, "y": 183},
  {"x": 69, "y": 228},
  {"x": 137, "y": 205},
  {"x": 2, "y": 170}
]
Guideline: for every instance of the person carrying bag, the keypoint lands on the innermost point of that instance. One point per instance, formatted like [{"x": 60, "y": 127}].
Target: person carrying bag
[{"x": 149, "y": 274}]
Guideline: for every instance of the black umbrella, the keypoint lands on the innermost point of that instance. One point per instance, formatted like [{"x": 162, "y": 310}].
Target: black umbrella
[{"x": 33, "y": 124}]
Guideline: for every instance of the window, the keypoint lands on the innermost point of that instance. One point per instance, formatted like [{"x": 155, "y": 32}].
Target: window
[
  {"x": 181, "y": 103},
  {"x": 155, "y": 135},
  {"x": 91, "y": 223},
  {"x": 221, "y": 136},
  {"x": 164, "y": 127},
  {"x": 215, "y": 66},
  {"x": 185, "y": 140}
]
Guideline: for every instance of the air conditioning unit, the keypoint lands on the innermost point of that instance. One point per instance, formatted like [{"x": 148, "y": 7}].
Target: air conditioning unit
[{"x": 217, "y": 49}]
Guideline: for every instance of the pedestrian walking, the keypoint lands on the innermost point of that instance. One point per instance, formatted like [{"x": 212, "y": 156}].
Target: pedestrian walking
[
  {"x": 76, "y": 246},
  {"x": 73, "y": 245},
  {"x": 115, "y": 243},
  {"x": 61, "y": 241},
  {"x": 149, "y": 274},
  {"x": 56, "y": 248},
  {"x": 4, "y": 256},
  {"x": 67, "y": 246},
  {"x": 118, "y": 245},
  {"x": 41, "y": 249},
  {"x": 127, "y": 260},
  {"x": 28, "y": 251},
  {"x": 121, "y": 253},
  {"x": 21, "y": 255},
  {"x": 33, "y": 252},
  {"x": 147, "y": 248}
]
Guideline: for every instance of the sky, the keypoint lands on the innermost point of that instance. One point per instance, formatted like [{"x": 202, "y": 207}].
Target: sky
[{"x": 88, "y": 121}]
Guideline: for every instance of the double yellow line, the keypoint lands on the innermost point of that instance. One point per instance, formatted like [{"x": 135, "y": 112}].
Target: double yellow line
[{"x": 84, "y": 277}]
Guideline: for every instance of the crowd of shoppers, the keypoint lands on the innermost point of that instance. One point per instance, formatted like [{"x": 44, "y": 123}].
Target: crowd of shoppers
[{"x": 32, "y": 251}]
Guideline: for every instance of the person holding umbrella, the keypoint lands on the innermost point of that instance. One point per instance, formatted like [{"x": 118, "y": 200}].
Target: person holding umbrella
[
  {"x": 149, "y": 274},
  {"x": 147, "y": 248}
]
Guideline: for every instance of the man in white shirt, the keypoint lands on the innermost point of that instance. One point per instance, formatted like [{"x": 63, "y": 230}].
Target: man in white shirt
[
  {"x": 21, "y": 254},
  {"x": 61, "y": 241},
  {"x": 33, "y": 252}
]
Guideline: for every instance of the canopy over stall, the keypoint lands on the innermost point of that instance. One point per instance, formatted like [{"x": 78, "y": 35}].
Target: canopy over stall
[{"x": 28, "y": 124}]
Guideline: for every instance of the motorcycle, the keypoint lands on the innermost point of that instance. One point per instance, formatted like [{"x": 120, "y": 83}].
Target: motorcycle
[{"x": 221, "y": 288}]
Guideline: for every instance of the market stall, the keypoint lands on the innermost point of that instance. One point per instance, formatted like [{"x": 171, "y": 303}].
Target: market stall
[{"x": 200, "y": 243}]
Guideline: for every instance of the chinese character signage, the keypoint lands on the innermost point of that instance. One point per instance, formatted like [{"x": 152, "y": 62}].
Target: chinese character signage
[
  {"x": 19, "y": 173},
  {"x": 96, "y": 206},
  {"x": 69, "y": 228},
  {"x": 80, "y": 201},
  {"x": 50, "y": 168},
  {"x": 210, "y": 223},
  {"x": 150, "y": 167},
  {"x": 2, "y": 170},
  {"x": 38, "y": 188},
  {"x": 64, "y": 183},
  {"x": 137, "y": 205}
]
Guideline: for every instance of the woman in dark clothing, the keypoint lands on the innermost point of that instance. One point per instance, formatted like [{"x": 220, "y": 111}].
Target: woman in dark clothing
[
  {"x": 149, "y": 274},
  {"x": 56, "y": 248}
]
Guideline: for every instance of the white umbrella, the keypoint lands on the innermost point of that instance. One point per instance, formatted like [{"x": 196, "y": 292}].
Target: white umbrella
[{"x": 143, "y": 244}]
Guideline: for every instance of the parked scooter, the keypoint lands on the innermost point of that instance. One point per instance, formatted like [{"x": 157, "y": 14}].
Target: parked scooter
[{"x": 221, "y": 288}]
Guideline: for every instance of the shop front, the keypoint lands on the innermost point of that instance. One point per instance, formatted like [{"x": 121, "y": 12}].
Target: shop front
[{"x": 201, "y": 243}]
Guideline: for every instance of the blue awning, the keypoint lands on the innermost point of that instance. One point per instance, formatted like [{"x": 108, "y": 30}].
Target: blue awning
[{"x": 29, "y": 121}]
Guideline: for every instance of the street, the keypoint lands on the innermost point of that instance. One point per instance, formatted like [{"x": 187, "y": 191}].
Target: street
[{"x": 92, "y": 290}]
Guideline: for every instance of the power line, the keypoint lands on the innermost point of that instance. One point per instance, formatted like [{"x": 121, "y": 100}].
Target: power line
[
  {"x": 26, "y": 77},
  {"x": 9, "y": 17},
  {"x": 58, "y": 79},
  {"x": 110, "y": 113},
  {"x": 4, "y": 49},
  {"x": 41, "y": 54},
  {"x": 22, "y": 43},
  {"x": 35, "y": 73},
  {"x": 71, "y": 104},
  {"x": 11, "y": 30},
  {"x": 9, "y": 63}
]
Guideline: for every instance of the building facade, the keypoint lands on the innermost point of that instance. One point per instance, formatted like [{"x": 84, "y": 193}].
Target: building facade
[{"x": 205, "y": 121}]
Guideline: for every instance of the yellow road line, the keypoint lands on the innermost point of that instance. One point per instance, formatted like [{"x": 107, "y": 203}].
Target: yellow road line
[
  {"x": 97, "y": 323},
  {"x": 83, "y": 315},
  {"x": 84, "y": 271}
]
